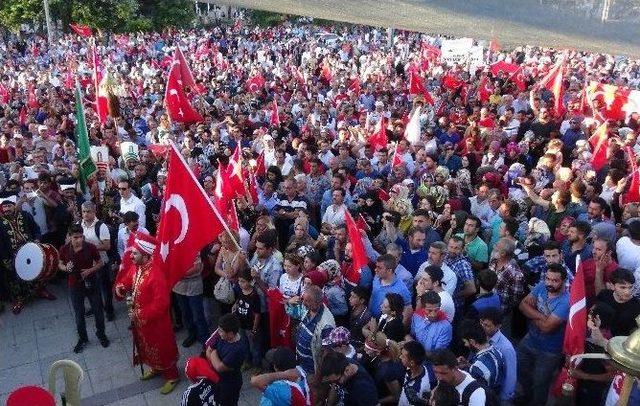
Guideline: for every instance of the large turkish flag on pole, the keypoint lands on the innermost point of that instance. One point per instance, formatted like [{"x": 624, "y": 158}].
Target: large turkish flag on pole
[
  {"x": 175, "y": 99},
  {"x": 189, "y": 220}
]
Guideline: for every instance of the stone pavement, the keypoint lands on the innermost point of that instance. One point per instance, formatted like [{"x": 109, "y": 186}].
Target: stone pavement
[{"x": 45, "y": 332}]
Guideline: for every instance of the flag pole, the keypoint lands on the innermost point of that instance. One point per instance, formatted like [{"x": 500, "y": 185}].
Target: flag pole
[{"x": 213, "y": 207}]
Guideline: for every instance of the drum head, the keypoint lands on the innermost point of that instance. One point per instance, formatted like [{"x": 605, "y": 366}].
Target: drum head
[{"x": 29, "y": 261}]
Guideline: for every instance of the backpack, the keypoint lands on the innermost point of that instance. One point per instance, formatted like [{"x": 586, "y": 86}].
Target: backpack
[
  {"x": 492, "y": 399},
  {"x": 112, "y": 253}
]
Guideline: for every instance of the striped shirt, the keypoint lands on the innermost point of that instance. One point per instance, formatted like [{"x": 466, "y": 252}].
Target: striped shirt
[
  {"x": 488, "y": 365},
  {"x": 415, "y": 391},
  {"x": 304, "y": 337}
]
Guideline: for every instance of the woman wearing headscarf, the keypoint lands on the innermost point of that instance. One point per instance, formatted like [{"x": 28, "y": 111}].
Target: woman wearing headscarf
[
  {"x": 334, "y": 292},
  {"x": 301, "y": 236}
]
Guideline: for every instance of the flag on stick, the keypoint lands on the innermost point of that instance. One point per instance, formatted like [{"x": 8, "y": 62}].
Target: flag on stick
[{"x": 86, "y": 165}]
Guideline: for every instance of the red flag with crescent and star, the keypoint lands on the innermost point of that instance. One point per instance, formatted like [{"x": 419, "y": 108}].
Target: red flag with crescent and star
[
  {"x": 599, "y": 141},
  {"x": 82, "y": 30},
  {"x": 576, "y": 329},
  {"x": 185, "y": 73},
  {"x": 417, "y": 87},
  {"x": 358, "y": 253},
  {"x": 175, "y": 99},
  {"x": 255, "y": 83},
  {"x": 189, "y": 221}
]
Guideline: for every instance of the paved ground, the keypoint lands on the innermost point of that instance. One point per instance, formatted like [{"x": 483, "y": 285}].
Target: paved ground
[
  {"x": 511, "y": 22},
  {"x": 45, "y": 332}
]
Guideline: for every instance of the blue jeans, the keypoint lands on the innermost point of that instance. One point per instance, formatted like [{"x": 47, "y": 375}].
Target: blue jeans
[
  {"x": 193, "y": 319},
  {"x": 536, "y": 371},
  {"x": 95, "y": 300}
]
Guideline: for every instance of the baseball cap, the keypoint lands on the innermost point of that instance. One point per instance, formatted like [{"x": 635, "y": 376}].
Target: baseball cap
[{"x": 337, "y": 337}]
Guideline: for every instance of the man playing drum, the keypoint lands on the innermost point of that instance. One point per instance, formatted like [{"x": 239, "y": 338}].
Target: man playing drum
[
  {"x": 82, "y": 261},
  {"x": 17, "y": 227}
]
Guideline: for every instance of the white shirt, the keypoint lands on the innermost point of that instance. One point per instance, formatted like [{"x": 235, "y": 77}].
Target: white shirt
[
  {"x": 628, "y": 253},
  {"x": 89, "y": 231},
  {"x": 290, "y": 287},
  {"x": 449, "y": 278},
  {"x": 133, "y": 203},
  {"x": 481, "y": 210},
  {"x": 447, "y": 305},
  {"x": 36, "y": 209},
  {"x": 334, "y": 215},
  {"x": 478, "y": 397}
]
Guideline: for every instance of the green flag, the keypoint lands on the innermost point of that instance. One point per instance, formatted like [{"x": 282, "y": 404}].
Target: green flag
[{"x": 86, "y": 165}]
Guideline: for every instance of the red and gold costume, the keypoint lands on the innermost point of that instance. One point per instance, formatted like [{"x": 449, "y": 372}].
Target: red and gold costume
[{"x": 154, "y": 340}]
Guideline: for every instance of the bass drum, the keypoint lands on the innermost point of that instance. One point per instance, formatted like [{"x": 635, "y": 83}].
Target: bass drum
[{"x": 36, "y": 261}]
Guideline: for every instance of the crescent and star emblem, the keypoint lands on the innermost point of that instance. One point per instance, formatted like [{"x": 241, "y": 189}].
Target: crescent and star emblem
[{"x": 177, "y": 202}]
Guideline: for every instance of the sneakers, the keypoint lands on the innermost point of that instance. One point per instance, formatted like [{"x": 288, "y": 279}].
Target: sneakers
[
  {"x": 104, "y": 341},
  {"x": 169, "y": 386},
  {"x": 82, "y": 342},
  {"x": 189, "y": 341}
]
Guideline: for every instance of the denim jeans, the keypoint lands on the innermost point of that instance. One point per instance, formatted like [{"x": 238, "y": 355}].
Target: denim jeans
[
  {"x": 106, "y": 287},
  {"x": 255, "y": 347},
  {"x": 536, "y": 371},
  {"x": 192, "y": 311},
  {"x": 95, "y": 301}
]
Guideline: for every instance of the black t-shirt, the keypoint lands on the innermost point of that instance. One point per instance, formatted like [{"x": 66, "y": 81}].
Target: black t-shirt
[
  {"x": 360, "y": 390},
  {"x": 394, "y": 329},
  {"x": 625, "y": 313},
  {"x": 356, "y": 323},
  {"x": 246, "y": 308},
  {"x": 200, "y": 393}
]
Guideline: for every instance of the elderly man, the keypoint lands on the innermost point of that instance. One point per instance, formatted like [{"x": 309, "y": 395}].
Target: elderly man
[
  {"x": 153, "y": 337},
  {"x": 316, "y": 324}
]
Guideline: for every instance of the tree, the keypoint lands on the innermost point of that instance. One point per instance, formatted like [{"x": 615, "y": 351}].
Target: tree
[{"x": 13, "y": 13}]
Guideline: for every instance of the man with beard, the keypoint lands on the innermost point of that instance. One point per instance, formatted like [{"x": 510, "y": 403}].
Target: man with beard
[
  {"x": 540, "y": 351},
  {"x": 17, "y": 227},
  {"x": 154, "y": 340}
]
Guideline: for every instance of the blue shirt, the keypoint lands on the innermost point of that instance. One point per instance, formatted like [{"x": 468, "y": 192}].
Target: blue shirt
[
  {"x": 411, "y": 259},
  {"x": 570, "y": 256},
  {"x": 505, "y": 347},
  {"x": 303, "y": 341},
  {"x": 488, "y": 366},
  {"x": 379, "y": 292},
  {"x": 486, "y": 301},
  {"x": 432, "y": 335},
  {"x": 557, "y": 306}
]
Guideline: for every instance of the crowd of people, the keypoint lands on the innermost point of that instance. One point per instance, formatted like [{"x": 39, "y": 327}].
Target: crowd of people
[{"x": 473, "y": 234}]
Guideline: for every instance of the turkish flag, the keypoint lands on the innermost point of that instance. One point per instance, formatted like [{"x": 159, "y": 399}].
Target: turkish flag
[
  {"x": 82, "y": 30},
  {"x": 234, "y": 172},
  {"x": 223, "y": 193},
  {"x": 599, "y": 143},
  {"x": 175, "y": 99},
  {"x": 358, "y": 254},
  {"x": 378, "y": 139},
  {"x": 255, "y": 83},
  {"x": 412, "y": 131},
  {"x": 548, "y": 79},
  {"x": 253, "y": 188},
  {"x": 232, "y": 217},
  {"x": 279, "y": 321},
  {"x": 518, "y": 79},
  {"x": 485, "y": 89},
  {"x": 502, "y": 66},
  {"x": 185, "y": 73},
  {"x": 355, "y": 86},
  {"x": 261, "y": 168},
  {"x": 102, "y": 103},
  {"x": 326, "y": 75},
  {"x": 159, "y": 150},
  {"x": 362, "y": 223},
  {"x": 633, "y": 193},
  {"x": 558, "y": 94},
  {"x": 417, "y": 87},
  {"x": 274, "y": 120},
  {"x": 428, "y": 51},
  {"x": 450, "y": 82},
  {"x": 4, "y": 94},
  {"x": 613, "y": 102},
  {"x": 397, "y": 159},
  {"x": 189, "y": 221},
  {"x": 32, "y": 99},
  {"x": 576, "y": 328}
]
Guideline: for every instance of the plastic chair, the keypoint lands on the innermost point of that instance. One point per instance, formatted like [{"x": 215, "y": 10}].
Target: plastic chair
[{"x": 73, "y": 374}]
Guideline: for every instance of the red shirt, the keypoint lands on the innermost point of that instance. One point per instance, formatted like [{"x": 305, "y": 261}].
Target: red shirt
[
  {"x": 589, "y": 269},
  {"x": 83, "y": 259}
]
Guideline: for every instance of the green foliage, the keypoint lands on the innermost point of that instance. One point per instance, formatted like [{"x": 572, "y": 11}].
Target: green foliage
[
  {"x": 16, "y": 12},
  {"x": 267, "y": 18},
  {"x": 107, "y": 15}
]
